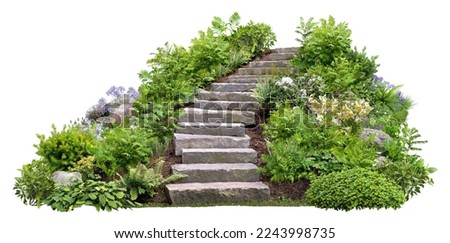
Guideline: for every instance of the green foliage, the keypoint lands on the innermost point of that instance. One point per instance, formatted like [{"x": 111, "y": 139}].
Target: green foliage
[
  {"x": 102, "y": 195},
  {"x": 284, "y": 122},
  {"x": 169, "y": 80},
  {"x": 279, "y": 90},
  {"x": 254, "y": 38},
  {"x": 355, "y": 153},
  {"x": 407, "y": 170},
  {"x": 159, "y": 120},
  {"x": 301, "y": 147},
  {"x": 340, "y": 76},
  {"x": 62, "y": 149},
  {"x": 326, "y": 53},
  {"x": 356, "y": 188},
  {"x": 410, "y": 173},
  {"x": 208, "y": 53},
  {"x": 289, "y": 161},
  {"x": 85, "y": 166},
  {"x": 35, "y": 183},
  {"x": 123, "y": 147},
  {"x": 322, "y": 42},
  {"x": 141, "y": 180}
]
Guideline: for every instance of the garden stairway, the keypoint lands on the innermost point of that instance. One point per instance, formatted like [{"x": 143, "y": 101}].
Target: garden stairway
[{"x": 212, "y": 143}]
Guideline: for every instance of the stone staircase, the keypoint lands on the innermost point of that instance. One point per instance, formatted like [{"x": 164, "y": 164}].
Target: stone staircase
[{"x": 212, "y": 143}]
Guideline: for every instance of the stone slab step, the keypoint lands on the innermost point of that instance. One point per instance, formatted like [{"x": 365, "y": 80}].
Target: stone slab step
[
  {"x": 264, "y": 71},
  {"x": 227, "y": 105},
  {"x": 217, "y": 192},
  {"x": 242, "y": 172},
  {"x": 236, "y": 78},
  {"x": 268, "y": 64},
  {"x": 186, "y": 141},
  {"x": 219, "y": 155},
  {"x": 218, "y": 116},
  {"x": 279, "y": 56},
  {"x": 233, "y": 87},
  {"x": 226, "y": 96},
  {"x": 285, "y": 50},
  {"x": 215, "y": 129}
]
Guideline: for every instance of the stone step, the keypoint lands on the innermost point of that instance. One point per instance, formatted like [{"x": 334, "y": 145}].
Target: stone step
[
  {"x": 279, "y": 56},
  {"x": 264, "y": 71},
  {"x": 187, "y": 141},
  {"x": 217, "y": 192},
  {"x": 242, "y": 172},
  {"x": 256, "y": 64},
  {"x": 215, "y": 129},
  {"x": 233, "y": 87},
  {"x": 226, "y": 96},
  {"x": 227, "y": 105},
  {"x": 219, "y": 155},
  {"x": 236, "y": 78},
  {"x": 285, "y": 50},
  {"x": 218, "y": 116}
]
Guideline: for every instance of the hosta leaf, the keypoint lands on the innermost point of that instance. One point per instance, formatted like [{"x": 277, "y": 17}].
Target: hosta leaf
[{"x": 102, "y": 199}]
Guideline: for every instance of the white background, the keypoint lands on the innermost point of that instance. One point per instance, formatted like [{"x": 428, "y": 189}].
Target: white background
[{"x": 58, "y": 57}]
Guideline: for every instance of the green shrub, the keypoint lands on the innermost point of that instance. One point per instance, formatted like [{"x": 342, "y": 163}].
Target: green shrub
[
  {"x": 410, "y": 173},
  {"x": 354, "y": 189},
  {"x": 123, "y": 147},
  {"x": 85, "y": 167},
  {"x": 208, "y": 53},
  {"x": 35, "y": 183},
  {"x": 284, "y": 122},
  {"x": 326, "y": 53},
  {"x": 280, "y": 90},
  {"x": 253, "y": 38},
  {"x": 141, "y": 180},
  {"x": 407, "y": 170},
  {"x": 289, "y": 161},
  {"x": 321, "y": 43},
  {"x": 102, "y": 195},
  {"x": 62, "y": 149}
]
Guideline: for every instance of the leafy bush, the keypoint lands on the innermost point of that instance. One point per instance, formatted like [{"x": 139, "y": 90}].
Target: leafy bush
[
  {"x": 85, "y": 167},
  {"x": 280, "y": 90},
  {"x": 141, "y": 180},
  {"x": 123, "y": 147},
  {"x": 35, "y": 183},
  {"x": 410, "y": 173},
  {"x": 407, "y": 170},
  {"x": 102, "y": 195},
  {"x": 326, "y": 52},
  {"x": 208, "y": 53},
  {"x": 322, "y": 42},
  {"x": 288, "y": 161},
  {"x": 354, "y": 189},
  {"x": 62, "y": 149},
  {"x": 253, "y": 38},
  {"x": 284, "y": 122}
]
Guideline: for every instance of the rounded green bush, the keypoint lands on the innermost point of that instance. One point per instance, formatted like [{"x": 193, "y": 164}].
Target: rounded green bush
[{"x": 354, "y": 189}]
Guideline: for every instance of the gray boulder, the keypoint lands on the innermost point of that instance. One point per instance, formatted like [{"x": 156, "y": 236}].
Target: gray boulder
[
  {"x": 379, "y": 137},
  {"x": 66, "y": 178}
]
